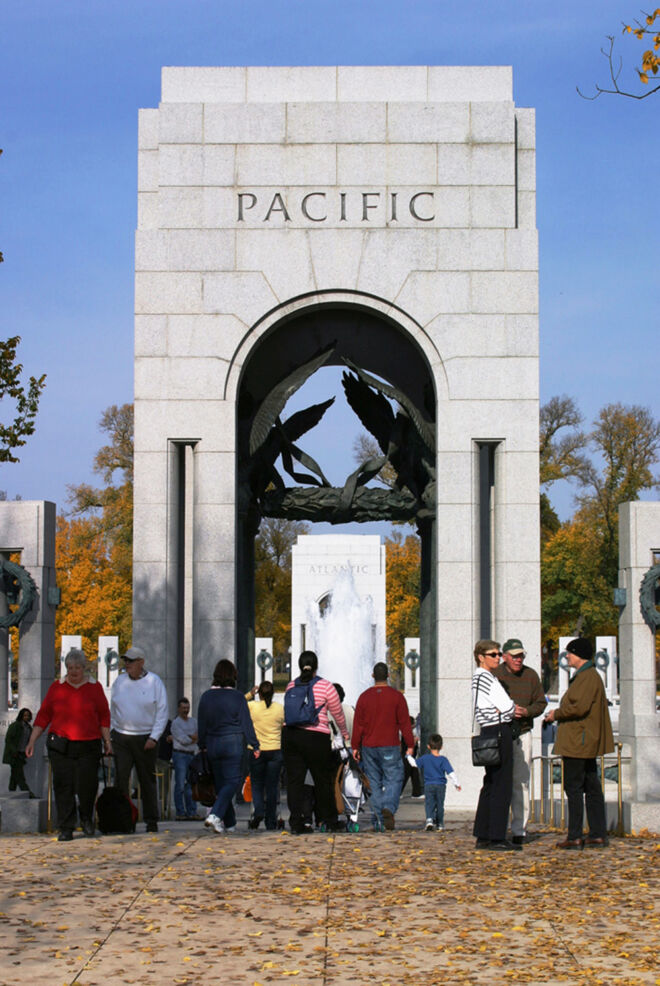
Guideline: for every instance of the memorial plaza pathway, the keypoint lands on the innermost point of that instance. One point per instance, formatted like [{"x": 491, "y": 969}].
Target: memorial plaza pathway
[{"x": 405, "y": 908}]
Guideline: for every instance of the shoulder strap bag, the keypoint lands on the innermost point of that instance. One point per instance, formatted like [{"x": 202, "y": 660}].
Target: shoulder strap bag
[{"x": 485, "y": 749}]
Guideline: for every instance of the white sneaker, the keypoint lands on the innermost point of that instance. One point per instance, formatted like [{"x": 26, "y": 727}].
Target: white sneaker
[
  {"x": 439, "y": 828},
  {"x": 228, "y": 828},
  {"x": 213, "y": 822},
  {"x": 429, "y": 825}
]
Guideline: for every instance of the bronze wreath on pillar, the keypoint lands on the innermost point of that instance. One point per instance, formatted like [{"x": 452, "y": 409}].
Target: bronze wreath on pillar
[
  {"x": 18, "y": 586},
  {"x": 649, "y": 596}
]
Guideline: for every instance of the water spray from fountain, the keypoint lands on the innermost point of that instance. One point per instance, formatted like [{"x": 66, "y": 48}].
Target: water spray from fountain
[{"x": 343, "y": 636}]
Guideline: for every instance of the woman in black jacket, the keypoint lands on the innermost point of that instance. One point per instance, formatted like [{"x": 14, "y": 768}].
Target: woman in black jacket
[{"x": 16, "y": 740}]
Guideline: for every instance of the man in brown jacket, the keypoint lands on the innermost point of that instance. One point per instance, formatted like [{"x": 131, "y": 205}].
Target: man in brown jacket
[
  {"x": 525, "y": 688},
  {"x": 584, "y": 733}
]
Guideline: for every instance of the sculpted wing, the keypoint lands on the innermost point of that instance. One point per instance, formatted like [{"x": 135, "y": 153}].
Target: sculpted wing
[
  {"x": 424, "y": 429},
  {"x": 373, "y": 410},
  {"x": 305, "y": 420},
  {"x": 273, "y": 404}
]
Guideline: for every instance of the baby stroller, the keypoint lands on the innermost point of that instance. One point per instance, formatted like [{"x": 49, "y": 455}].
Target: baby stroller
[{"x": 351, "y": 790}]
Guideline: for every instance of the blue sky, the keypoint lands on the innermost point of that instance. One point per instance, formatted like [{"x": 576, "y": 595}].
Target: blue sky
[{"x": 73, "y": 74}]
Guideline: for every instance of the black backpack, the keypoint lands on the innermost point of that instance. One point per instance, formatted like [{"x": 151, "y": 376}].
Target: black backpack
[
  {"x": 115, "y": 811},
  {"x": 299, "y": 708}
]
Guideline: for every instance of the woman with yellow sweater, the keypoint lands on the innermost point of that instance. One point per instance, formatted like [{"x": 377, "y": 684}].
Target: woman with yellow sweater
[{"x": 267, "y": 718}]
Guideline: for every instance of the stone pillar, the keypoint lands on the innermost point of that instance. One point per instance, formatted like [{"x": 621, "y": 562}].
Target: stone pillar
[
  {"x": 639, "y": 542},
  {"x": 28, "y": 526}
]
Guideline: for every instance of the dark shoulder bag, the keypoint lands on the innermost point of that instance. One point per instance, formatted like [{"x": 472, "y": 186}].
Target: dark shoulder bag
[{"x": 485, "y": 749}]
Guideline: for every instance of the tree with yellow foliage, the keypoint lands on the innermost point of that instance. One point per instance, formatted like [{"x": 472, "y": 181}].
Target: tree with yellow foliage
[
  {"x": 403, "y": 571},
  {"x": 272, "y": 581},
  {"x": 95, "y": 595},
  {"x": 646, "y": 30},
  {"x": 94, "y": 545}
]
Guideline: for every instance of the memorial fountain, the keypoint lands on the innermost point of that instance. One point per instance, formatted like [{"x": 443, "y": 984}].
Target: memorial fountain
[{"x": 342, "y": 633}]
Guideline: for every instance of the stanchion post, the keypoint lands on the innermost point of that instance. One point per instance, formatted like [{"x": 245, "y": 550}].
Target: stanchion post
[
  {"x": 49, "y": 800},
  {"x": 619, "y": 791}
]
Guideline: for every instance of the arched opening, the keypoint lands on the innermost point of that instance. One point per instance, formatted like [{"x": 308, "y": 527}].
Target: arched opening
[{"x": 388, "y": 383}]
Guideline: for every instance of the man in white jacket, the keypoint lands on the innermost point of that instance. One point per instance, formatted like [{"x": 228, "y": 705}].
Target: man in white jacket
[{"x": 138, "y": 710}]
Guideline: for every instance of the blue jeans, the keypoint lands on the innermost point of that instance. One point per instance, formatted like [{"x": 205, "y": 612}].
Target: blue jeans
[
  {"x": 265, "y": 776},
  {"x": 226, "y": 758},
  {"x": 183, "y": 799},
  {"x": 384, "y": 769},
  {"x": 434, "y": 802}
]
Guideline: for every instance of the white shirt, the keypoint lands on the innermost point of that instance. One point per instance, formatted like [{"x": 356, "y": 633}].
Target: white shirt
[{"x": 138, "y": 707}]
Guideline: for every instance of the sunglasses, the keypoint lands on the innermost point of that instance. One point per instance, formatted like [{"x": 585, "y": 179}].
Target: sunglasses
[{"x": 493, "y": 653}]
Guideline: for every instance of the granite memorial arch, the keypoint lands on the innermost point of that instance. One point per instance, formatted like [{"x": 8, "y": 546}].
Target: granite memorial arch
[
  {"x": 381, "y": 219},
  {"x": 364, "y": 336}
]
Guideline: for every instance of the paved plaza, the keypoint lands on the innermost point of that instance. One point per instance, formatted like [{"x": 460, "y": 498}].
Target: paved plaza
[{"x": 189, "y": 907}]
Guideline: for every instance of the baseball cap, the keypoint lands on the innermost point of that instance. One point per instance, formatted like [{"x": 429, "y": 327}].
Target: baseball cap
[
  {"x": 513, "y": 647},
  {"x": 135, "y": 654}
]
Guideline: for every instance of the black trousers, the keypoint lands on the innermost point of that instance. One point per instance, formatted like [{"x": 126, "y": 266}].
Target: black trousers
[
  {"x": 75, "y": 772},
  {"x": 492, "y": 817},
  {"x": 303, "y": 750},
  {"x": 17, "y": 773},
  {"x": 582, "y": 786},
  {"x": 130, "y": 752},
  {"x": 416, "y": 780}
]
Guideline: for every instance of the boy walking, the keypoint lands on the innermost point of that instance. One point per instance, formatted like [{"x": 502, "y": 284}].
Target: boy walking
[{"x": 436, "y": 770}]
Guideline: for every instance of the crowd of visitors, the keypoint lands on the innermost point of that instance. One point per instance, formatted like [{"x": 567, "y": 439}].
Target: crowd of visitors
[{"x": 315, "y": 740}]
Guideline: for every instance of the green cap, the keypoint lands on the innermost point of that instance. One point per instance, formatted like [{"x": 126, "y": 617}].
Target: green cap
[{"x": 513, "y": 646}]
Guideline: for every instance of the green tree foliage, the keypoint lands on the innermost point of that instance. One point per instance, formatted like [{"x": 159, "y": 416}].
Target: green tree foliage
[
  {"x": 95, "y": 545},
  {"x": 580, "y": 559},
  {"x": 574, "y": 592},
  {"x": 272, "y": 578},
  {"x": 25, "y": 402}
]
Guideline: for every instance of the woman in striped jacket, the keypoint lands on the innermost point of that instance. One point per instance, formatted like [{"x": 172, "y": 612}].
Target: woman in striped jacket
[
  {"x": 307, "y": 747},
  {"x": 494, "y": 711}
]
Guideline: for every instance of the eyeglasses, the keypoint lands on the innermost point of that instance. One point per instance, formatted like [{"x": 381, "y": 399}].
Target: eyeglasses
[{"x": 493, "y": 653}]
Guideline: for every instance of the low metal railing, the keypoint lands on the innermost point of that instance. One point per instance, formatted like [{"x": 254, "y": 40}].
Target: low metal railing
[{"x": 542, "y": 775}]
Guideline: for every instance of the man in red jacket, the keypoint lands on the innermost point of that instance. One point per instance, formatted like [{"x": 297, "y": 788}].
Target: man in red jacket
[{"x": 381, "y": 719}]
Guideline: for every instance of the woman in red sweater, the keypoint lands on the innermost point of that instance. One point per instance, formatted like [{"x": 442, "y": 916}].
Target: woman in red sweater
[{"x": 75, "y": 711}]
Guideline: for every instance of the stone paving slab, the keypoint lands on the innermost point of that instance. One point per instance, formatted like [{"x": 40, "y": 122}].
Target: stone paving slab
[{"x": 190, "y": 907}]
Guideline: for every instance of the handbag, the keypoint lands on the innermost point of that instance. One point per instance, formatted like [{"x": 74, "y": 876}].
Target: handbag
[
  {"x": 486, "y": 750},
  {"x": 200, "y": 778},
  {"x": 57, "y": 744},
  {"x": 247, "y": 790}
]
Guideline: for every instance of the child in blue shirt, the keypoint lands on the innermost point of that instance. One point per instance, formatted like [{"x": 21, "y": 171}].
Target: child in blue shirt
[{"x": 436, "y": 769}]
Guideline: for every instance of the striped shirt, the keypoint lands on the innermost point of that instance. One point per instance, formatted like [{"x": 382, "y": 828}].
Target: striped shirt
[
  {"x": 492, "y": 702},
  {"x": 325, "y": 695}
]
